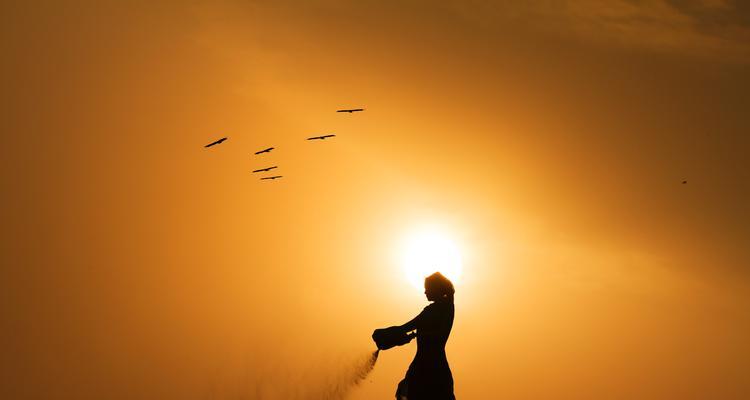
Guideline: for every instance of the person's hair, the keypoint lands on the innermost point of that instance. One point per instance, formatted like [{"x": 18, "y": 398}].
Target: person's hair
[{"x": 441, "y": 285}]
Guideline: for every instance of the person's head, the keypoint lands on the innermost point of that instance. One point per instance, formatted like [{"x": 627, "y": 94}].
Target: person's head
[{"x": 438, "y": 288}]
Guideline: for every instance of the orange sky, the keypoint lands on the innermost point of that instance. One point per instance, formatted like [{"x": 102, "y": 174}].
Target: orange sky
[{"x": 549, "y": 139}]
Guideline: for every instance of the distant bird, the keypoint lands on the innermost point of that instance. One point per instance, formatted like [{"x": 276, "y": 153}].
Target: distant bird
[
  {"x": 272, "y": 177},
  {"x": 268, "y": 150},
  {"x": 684, "y": 182},
  {"x": 265, "y": 169},
  {"x": 351, "y": 110},
  {"x": 216, "y": 142},
  {"x": 320, "y": 137}
]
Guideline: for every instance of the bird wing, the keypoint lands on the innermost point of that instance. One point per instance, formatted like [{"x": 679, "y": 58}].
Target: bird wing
[{"x": 215, "y": 142}]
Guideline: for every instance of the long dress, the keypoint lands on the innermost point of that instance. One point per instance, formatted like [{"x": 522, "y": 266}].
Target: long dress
[{"x": 429, "y": 376}]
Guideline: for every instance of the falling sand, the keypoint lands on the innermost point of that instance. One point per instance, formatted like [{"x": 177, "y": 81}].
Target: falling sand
[
  {"x": 364, "y": 369},
  {"x": 314, "y": 384},
  {"x": 351, "y": 376}
]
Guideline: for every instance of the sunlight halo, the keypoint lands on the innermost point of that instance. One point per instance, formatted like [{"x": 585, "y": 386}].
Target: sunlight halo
[{"x": 427, "y": 251}]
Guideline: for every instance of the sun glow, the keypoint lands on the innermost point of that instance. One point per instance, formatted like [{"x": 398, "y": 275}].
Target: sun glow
[{"x": 430, "y": 251}]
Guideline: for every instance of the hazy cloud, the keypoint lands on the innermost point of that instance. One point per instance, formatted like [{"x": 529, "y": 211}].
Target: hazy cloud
[{"x": 717, "y": 28}]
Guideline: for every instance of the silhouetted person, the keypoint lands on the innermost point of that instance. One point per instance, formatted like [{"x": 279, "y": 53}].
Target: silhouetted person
[{"x": 429, "y": 376}]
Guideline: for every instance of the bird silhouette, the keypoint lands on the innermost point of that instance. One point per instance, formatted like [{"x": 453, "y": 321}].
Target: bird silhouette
[
  {"x": 320, "y": 137},
  {"x": 268, "y": 150},
  {"x": 350, "y": 110},
  {"x": 271, "y": 177},
  {"x": 216, "y": 142},
  {"x": 265, "y": 169}
]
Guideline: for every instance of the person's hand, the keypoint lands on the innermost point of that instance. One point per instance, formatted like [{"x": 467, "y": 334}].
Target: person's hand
[{"x": 403, "y": 339}]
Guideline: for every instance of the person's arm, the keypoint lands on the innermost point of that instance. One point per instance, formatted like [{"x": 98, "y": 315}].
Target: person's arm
[
  {"x": 415, "y": 323},
  {"x": 395, "y": 335},
  {"x": 411, "y": 325},
  {"x": 430, "y": 322}
]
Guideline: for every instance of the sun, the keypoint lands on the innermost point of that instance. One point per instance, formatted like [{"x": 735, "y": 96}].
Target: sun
[{"x": 428, "y": 251}]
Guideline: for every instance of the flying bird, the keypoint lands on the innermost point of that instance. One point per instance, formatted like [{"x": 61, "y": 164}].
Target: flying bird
[
  {"x": 272, "y": 177},
  {"x": 268, "y": 150},
  {"x": 216, "y": 142},
  {"x": 351, "y": 110},
  {"x": 320, "y": 137},
  {"x": 265, "y": 169}
]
